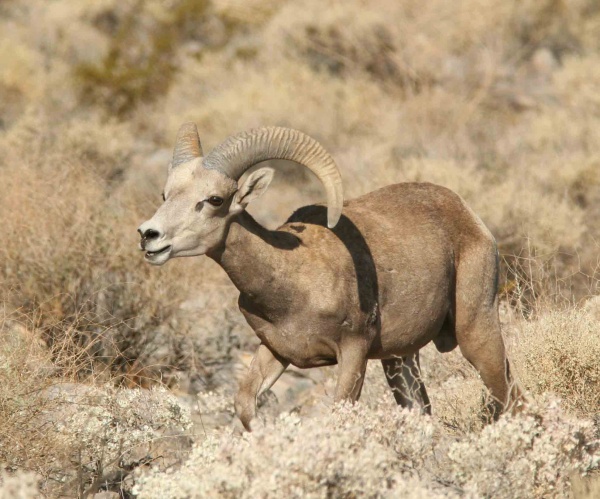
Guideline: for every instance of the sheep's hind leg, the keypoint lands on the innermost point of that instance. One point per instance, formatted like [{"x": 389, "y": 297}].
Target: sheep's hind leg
[
  {"x": 478, "y": 328},
  {"x": 403, "y": 374},
  {"x": 265, "y": 369},
  {"x": 481, "y": 343}
]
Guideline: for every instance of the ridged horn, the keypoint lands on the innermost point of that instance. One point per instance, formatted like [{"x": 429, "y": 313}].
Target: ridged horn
[
  {"x": 239, "y": 152},
  {"x": 187, "y": 144}
]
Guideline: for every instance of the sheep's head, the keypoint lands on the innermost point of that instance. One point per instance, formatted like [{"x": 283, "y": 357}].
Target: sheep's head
[{"x": 202, "y": 194}]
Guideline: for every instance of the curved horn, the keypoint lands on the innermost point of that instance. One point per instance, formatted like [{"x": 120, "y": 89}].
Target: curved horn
[
  {"x": 187, "y": 144},
  {"x": 239, "y": 152}
]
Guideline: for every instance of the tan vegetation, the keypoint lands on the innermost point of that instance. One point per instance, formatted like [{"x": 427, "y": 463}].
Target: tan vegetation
[
  {"x": 496, "y": 100},
  {"x": 371, "y": 449}
]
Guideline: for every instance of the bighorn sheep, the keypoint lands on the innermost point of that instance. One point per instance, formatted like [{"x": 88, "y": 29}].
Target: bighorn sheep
[{"x": 377, "y": 277}]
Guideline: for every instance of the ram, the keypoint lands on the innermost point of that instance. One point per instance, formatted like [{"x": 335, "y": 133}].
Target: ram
[{"x": 377, "y": 277}]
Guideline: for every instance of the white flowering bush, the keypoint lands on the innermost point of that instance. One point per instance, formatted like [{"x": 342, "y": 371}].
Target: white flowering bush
[
  {"x": 353, "y": 450},
  {"x": 111, "y": 421},
  {"x": 532, "y": 453},
  {"x": 357, "y": 451},
  {"x": 215, "y": 402},
  {"x": 104, "y": 433}
]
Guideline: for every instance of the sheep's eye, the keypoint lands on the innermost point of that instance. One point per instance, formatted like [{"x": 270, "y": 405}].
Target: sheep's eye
[
  {"x": 163, "y": 197},
  {"x": 215, "y": 200}
]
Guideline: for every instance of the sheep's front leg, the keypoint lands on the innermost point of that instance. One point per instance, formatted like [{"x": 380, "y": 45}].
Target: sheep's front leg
[
  {"x": 265, "y": 369},
  {"x": 352, "y": 363}
]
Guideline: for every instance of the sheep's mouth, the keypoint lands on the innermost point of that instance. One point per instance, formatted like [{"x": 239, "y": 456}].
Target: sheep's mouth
[{"x": 152, "y": 254}]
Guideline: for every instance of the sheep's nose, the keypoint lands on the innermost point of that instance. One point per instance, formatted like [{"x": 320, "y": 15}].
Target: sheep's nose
[{"x": 149, "y": 234}]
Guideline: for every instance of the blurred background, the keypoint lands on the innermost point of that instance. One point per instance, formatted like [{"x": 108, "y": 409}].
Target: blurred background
[{"x": 497, "y": 100}]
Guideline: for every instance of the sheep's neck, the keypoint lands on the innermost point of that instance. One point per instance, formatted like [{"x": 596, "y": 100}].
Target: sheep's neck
[{"x": 257, "y": 260}]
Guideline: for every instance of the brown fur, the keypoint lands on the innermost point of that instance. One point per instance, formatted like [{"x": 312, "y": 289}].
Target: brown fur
[{"x": 405, "y": 265}]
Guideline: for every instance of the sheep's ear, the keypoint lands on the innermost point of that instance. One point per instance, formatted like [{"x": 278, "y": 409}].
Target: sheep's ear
[{"x": 254, "y": 186}]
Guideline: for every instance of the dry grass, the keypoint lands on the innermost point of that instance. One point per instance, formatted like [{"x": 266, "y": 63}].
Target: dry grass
[
  {"x": 70, "y": 221},
  {"x": 558, "y": 352},
  {"x": 496, "y": 100}
]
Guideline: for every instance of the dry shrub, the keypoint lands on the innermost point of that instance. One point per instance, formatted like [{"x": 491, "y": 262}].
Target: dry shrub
[
  {"x": 25, "y": 369},
  {"x": 566, "y": 125},
  {"x": 74, "y": 437},
  {"x": 351, "y": 451},
  {"x": 141, "y": 59},
  {"x": 109, "y": 432},
  {"x": 70, "y": 260},
  {"x": 374, "y": 452},
  {"x": 408, "y": 44},
  {"x": 529, "y": 455},
  {"x": 558, "y": 352}
]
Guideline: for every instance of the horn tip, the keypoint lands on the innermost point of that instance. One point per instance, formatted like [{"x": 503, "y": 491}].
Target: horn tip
[
  {"x": 333, "y": 219},
  {"x": 187, "y": 128}
]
